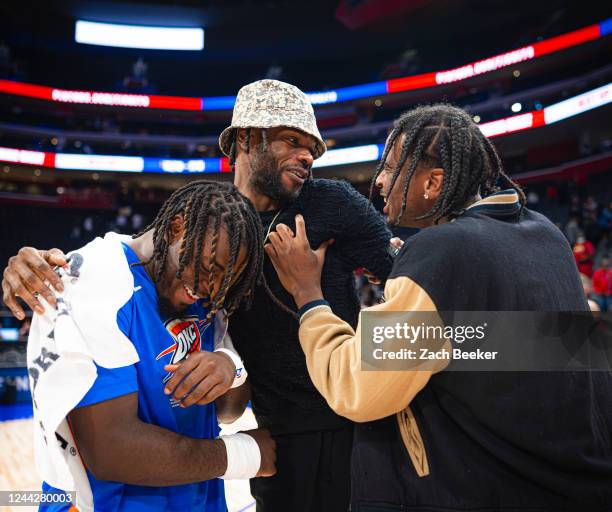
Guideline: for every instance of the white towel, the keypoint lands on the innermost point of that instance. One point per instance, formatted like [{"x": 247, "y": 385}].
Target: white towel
[{"x": 62, "y": 347}]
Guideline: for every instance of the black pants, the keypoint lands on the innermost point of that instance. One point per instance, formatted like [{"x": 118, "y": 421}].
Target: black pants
[{"x": 313, "y": 473}]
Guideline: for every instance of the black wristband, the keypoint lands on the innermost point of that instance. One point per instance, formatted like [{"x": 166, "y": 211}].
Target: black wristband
[{"x": 312, "y": 304}]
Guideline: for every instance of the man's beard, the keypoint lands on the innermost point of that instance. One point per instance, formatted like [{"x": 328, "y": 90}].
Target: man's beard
[{"x": 266, "y": 178}]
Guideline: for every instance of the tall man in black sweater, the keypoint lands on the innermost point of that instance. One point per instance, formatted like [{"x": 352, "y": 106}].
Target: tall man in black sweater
[{"x": 272, "y": 143}]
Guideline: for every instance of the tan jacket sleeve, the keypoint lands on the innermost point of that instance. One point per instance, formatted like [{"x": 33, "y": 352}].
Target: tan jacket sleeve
[{"x": 333, "y": 357}]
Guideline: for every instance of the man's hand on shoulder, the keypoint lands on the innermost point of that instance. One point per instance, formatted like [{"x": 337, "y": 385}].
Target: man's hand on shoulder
[{"x": 28, "y": 274}]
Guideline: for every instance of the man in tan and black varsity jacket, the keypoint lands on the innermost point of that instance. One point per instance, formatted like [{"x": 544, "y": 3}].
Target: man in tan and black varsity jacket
[{"x": 436, "y": 440}]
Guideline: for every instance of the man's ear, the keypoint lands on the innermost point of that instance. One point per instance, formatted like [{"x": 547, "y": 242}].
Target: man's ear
[
  {"x": 434, "y": 183},
  {"x": 177, "y": 228},
  {"x": 241, "y": 138}
]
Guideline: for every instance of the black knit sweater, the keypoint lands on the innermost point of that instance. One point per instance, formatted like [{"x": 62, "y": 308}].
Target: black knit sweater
[{"x": 284, "y": 398}]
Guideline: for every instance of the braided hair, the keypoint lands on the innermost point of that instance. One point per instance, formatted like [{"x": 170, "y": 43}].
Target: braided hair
[
  {"x": 247, "y": 144},
  {"x": 444, "y": 136},
  {"x": 204, "y": 205}
]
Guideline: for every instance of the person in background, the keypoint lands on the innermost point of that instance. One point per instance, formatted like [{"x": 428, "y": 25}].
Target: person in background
[
  {"x": 602, "y": 284},
  {"x": 584, "y": 251},
  {"x": 572, "y": 230},
  {"x": 587, "y": 287}
]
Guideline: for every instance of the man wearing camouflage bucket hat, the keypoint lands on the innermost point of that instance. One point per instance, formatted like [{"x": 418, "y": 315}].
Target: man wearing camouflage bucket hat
[
  {"x": 272, "y": 143},
  {"x": 270, "y": 104}
]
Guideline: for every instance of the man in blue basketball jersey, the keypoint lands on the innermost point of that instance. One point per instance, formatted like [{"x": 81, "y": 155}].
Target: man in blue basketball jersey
[{"x": 132, "y": 344}]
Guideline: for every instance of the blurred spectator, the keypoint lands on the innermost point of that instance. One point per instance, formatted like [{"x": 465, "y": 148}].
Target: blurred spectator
[
  {"x": 88, "y": 224},
  {"x": 533, "y": 198},
  {"x": 406, "y": 64},
  {"x": 603, "y": 248},
  {"x": 572, "y": 230},
  {"x": 8, "y": 68},
  {"x": 575, "y": 205},
  {"x": 552, "y": 193},
  {"x": 122, "y": 218},
  {"x": 583, "y": 253},
  {"x": 137, "y": 222},
  {"x": 588, "y": 290},
  {"x": 585, "y": 144},
  {"x": 602, "y": 285},
  {"x": 139, "y": 69},
  {"x": 138, "y": 81},
  {"x": 589, "y": 211},
  {"x": 604, "y": 221}
]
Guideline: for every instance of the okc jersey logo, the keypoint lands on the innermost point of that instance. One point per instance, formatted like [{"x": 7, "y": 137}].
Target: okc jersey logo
[{"x": 187, "y": 339}]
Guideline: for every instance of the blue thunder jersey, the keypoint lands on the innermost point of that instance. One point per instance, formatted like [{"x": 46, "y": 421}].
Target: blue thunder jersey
[{"x": 159, "y": 342}]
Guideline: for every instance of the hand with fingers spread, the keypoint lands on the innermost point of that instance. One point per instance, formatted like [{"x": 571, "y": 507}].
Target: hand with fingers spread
[
  {"x": 297, "y": 265},
  {"x": 201, "y": 378},
  {"x": 28, "y": 273}
]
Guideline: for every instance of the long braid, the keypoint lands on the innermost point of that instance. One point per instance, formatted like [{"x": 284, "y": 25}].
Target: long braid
[
  {"x": 276, "y": 300},
  {"x": 390, "y": 141},
  {"x": 251, "y": 237},
  {"x": 418, "y": 153},
  {"x": 214, "y": 205},
  {"x": 499, "y": 171},
  {"x": 232, "y": 151},
  {"x": 444, "y": 159},
  {"x": 228, "y": 220},
  {"x": 411, "y": 136}
]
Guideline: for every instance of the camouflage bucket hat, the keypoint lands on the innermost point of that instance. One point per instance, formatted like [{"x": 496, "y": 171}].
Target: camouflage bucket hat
[{"x": 270, "y": 104}]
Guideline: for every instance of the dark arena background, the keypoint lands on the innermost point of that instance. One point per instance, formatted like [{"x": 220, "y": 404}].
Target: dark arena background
[{"x": 93, "y": 137}]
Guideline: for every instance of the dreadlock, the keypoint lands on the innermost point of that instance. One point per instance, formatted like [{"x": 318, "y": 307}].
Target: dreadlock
[
  {"x": 445, "y": 136},
  {"x": 247, "y": 144},
  {"x": 204, "y": 205}
]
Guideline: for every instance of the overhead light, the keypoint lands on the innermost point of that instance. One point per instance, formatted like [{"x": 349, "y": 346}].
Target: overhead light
[
  {"x": 139, "y": 36},
  {"x": 378, "y": 103},
  {"x": 476, "y": 119},
  {"x": 516, "y": 107},
  {"x": 516, "y": 73}
]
